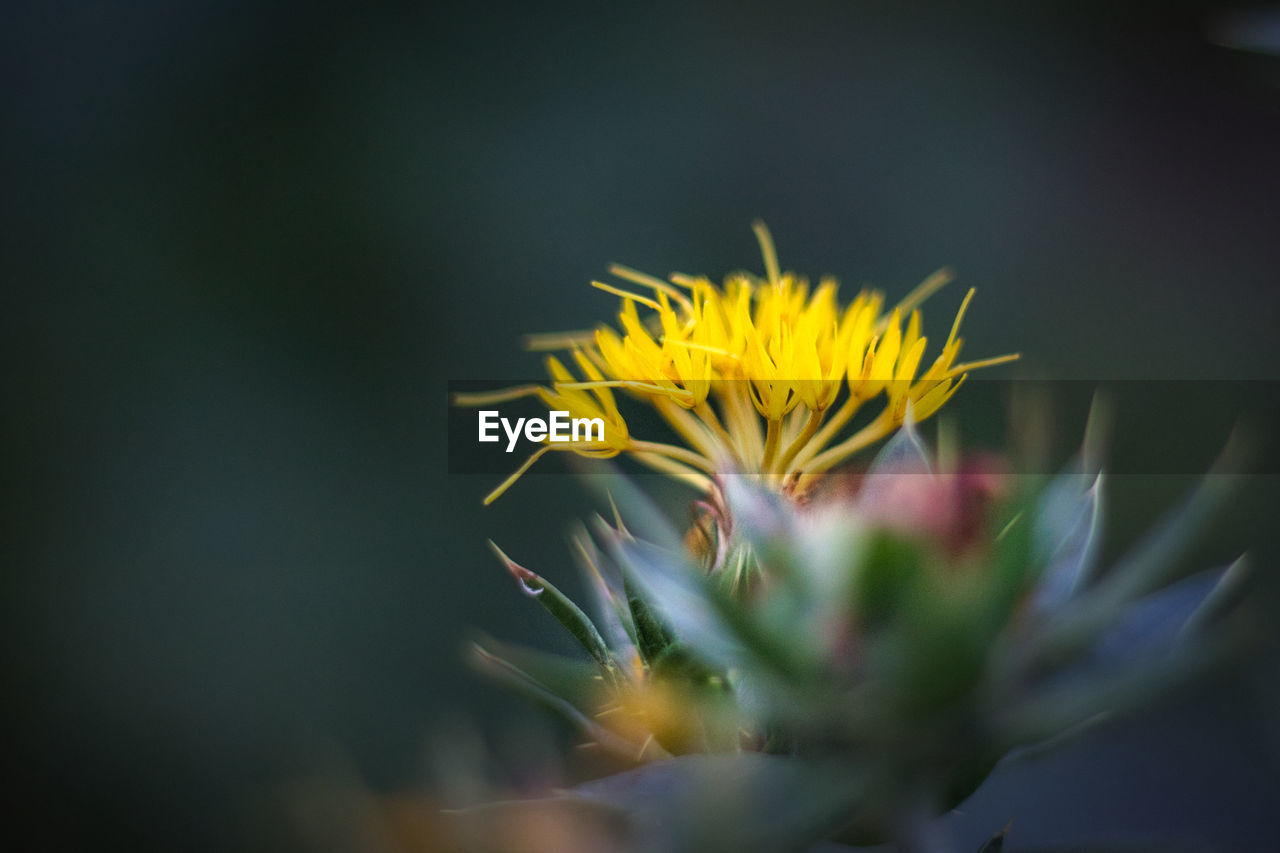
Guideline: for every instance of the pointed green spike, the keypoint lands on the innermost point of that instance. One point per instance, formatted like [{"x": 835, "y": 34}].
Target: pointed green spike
[
  {"x": 565, "y": 611},
  {"x": 1146, "y": 568},
  {"x": 644, "y": 519}
]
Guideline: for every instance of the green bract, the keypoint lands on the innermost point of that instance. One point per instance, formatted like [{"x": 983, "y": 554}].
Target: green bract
[{"x": 852, "y": 664}]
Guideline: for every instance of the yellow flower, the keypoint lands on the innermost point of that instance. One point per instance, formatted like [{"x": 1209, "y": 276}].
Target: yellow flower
[{"x": 748, "y": 374}]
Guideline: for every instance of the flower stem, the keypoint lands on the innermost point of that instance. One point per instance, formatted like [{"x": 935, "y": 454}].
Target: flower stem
[
  {"x": 771, "y": 444},
  {"x": 810, "y": 428}
]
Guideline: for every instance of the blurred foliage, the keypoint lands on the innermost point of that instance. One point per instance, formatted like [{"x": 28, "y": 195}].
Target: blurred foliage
[{"x": 888, "y": 648}]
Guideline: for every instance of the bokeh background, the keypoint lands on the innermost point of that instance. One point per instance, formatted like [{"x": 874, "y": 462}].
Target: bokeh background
[{"x": 246, "y": 245}]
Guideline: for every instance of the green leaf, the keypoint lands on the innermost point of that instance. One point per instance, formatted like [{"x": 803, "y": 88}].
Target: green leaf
[
  {"x": 1153, "y": 624},
  {"x": 1066, "y": 704},
  {"x": 714, "y": 626},
  {"x": 890, "y": 566},
  {"x": 942, "y": 654},
  {"x": 677, "y": 664},
  {"x": 652, "y": 637},
  {"x": 606, "y": 582},
  {"x": 652, "y": 634},
  {"x": 573, "y": 679},
  {"x": 522, "y": 682},
  {"x": 1146, "y": 568},
  {"x": 565, "y": 611},
  {"x": 1222, "y": 599},
  {"x": 681, "y": 596},
  {"x": 1068, "y": 535},
  {"x": 1010, "y": 578}
]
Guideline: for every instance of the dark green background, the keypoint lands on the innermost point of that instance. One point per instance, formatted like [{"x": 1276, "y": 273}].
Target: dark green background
[{"x": 245, "y": 246}]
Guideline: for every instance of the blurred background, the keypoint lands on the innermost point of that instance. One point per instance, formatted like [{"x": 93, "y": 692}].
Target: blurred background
[{"x": 246, "y": 245}]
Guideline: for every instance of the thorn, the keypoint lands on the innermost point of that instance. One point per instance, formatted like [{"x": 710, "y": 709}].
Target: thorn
[
  {"x": 529, "y": 581},
  {"x": 617, "y": 519}
]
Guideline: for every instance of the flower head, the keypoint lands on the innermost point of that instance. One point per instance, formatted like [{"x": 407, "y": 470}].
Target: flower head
[{"x": 758, "y": 375}]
